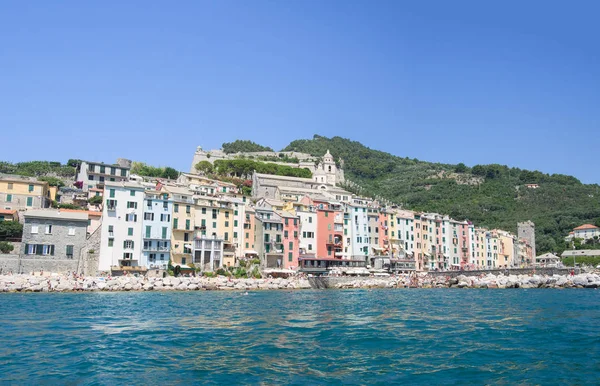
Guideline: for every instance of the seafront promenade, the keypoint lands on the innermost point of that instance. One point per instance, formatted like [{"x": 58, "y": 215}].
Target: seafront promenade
[{"x": 70, "y": 283}]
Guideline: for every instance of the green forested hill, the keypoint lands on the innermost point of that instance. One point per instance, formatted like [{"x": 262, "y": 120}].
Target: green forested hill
[{"x": 493, "y": 196}]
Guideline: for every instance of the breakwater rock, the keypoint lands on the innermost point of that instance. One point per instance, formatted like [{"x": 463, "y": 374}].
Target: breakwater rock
[
  {"x": 29, "y": 283},
  {"x": 584, "y": 280}
]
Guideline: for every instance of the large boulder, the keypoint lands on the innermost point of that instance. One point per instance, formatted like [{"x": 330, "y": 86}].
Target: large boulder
[{"x": 148, "y": 287}]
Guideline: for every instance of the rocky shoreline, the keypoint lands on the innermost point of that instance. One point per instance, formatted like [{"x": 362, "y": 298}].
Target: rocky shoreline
[
  {"x": 583, "y": 280},
  {"x": 70, "y": 283}
]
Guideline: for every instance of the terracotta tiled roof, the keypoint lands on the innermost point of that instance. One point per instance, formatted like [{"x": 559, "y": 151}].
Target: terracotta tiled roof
[
  {"x": 586, "y": 226},
  {"x": 8, "y": 211},
  {"x": 89, "y": 212}
]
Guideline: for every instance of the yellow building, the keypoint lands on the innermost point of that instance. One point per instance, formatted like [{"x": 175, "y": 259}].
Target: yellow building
[
  {"x": 249, "y": 227},
  {"x": 220, "y": 218},
  {"x": 480, "y": 250},
  {"x": 18, "y": 192},
  {"x": 225, "y": 223},
  {"x": 182, "y": 237},
  {"x": 506, "y": 249}
]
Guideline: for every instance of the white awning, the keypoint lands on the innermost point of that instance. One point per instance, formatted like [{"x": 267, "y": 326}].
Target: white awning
[
  {"x": 250, "y": 252},
  {"x": 377, "y": 248},
  {"x": 188, "y": 246}
]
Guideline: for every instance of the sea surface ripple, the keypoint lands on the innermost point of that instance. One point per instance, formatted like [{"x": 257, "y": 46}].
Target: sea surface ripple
[{"x": 442, "y": 336}]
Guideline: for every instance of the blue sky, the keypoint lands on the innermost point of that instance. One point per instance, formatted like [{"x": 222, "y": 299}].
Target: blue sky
[{"x": 511, "y": 82}]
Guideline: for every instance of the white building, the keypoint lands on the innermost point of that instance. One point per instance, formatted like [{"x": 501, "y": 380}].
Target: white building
[
  {"x": 121, "y": 237},
  {"x": 208, "y": 252},
  {"x": 586, "y": 232},
  {"x": 307, "y": 230},
  {"x": 406, "y": 230},
  {"x": 92, "y": 174},
  {"x": 157, "y": 229},
  {"x": 357, "y": 213}
]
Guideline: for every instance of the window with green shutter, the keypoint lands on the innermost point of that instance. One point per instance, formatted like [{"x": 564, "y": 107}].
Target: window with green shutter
[
  {"x": 31, "y": 188},
  {"x": 111, "y": 242},
  {"x": 187, "y": 225},
  {"x": 235, "y": 223},
  {"x": 235, "y": 235},
  {"x": 148, "y": 231},
  {"x": 111, "y": 193},
  {"x": 130, "y": 231},
  {"x": 29, "y": 201},
  {"x": 9, "y": 198},
  {"x": 291, "y": 245},
  {"x": 290, "y": 256},
  {"x": 164, "y": 232},
  {"x": 176, "y": 208},
  {"x": 132, "y": 193},
  {"x": 175, "y": 222}
]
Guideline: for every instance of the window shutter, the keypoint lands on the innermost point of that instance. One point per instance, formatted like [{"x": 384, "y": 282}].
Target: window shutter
[
  {"x": 39, "y": 249},
  {"x": 124, "y": 243},
  {"x": 27, "y": 249},
  {"x": 52, "y": 250}
]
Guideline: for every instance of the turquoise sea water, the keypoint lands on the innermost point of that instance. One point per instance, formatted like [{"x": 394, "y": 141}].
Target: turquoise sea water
[{"x": 442, "y": 336}]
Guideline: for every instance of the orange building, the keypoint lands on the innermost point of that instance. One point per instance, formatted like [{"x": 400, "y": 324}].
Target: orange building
[{"x": 328, "y": 241}]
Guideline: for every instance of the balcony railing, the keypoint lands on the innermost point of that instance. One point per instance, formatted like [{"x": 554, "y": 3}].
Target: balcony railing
[{"x": 155, "y": 248}]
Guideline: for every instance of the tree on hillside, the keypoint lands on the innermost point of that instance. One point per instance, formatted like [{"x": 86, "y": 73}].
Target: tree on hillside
[
  {"x": 170, "y": 173},
  {"x": 53, "y": 181},
  {"x": 204, "y": 167},
  {"x": 243, "y": 146},
  {"x": 479, "y": 170},
  {"x": 142, "y": 169},
  {"x": 461, "y": 168},
  {"x": 73, "y": 162}
]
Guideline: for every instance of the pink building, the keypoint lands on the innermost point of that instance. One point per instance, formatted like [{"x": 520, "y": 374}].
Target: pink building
[
  {"x": 291, "y": 248},
  {"x": 384, "y": 224}
]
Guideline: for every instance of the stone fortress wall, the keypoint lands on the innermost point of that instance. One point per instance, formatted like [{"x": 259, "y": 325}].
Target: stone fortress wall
[{"x": 324, "y": 170}]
